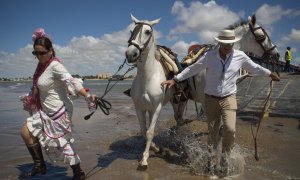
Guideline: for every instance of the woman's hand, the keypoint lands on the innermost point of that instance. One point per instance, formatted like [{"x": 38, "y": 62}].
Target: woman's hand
[
  {"x": 28, "y": 103},
  {"x": 85, "y": 92},
  {"x": 90, "y": 98}
]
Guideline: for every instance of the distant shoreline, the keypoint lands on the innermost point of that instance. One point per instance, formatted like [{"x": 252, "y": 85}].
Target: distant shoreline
[{"x": 28, "y": 80}]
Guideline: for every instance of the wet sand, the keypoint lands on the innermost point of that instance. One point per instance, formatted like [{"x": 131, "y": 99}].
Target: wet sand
[{"x": 110, "y": 147}]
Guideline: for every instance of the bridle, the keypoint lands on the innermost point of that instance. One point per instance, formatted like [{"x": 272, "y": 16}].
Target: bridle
[
  {"x": 261, "y": 38},
  {"x": 137, "y": 34}
]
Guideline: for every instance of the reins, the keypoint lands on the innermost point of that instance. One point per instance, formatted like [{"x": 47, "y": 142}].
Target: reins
[
  {"x": 104, "y": 105},
  {"x": 260, "y": 39},
  {"x": 262, "y": 115},
  {"x": 264, "y": 109}
]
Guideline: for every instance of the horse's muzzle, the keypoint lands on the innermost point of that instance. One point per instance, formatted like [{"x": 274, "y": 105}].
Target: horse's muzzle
[{"x": 132, "y": 54}]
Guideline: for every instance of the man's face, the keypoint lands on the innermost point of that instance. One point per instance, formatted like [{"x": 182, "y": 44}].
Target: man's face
[{"x": 226, "y": 48}]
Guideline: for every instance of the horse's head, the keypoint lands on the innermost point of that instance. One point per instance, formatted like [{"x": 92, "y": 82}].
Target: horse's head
[
  {"x": 257, "y": 41},
  {"x": 140, "y": 38}
]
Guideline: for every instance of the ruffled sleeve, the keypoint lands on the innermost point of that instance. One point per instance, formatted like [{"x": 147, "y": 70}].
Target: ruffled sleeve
[{"x": 74, "y": 85}]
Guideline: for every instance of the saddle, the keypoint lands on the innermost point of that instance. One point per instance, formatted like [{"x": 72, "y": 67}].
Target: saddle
[
  {"x": 172, "y": 67},
  {"x": 168, "y": 60},
  {"x": 194, "y": 53}
]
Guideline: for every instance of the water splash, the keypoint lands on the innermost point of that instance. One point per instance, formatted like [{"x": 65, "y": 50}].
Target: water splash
[{"x": 202, "y": 159}]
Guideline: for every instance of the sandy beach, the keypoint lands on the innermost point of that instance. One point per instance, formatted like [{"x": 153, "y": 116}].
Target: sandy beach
[{"x": 110, "y": 146}]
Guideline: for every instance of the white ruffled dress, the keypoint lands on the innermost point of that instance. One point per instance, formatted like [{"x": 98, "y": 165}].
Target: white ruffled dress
[{"x": 52, "y": 125}]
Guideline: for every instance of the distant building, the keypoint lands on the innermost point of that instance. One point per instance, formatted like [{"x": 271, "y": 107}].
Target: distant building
[{"x": 103, "y": 75}]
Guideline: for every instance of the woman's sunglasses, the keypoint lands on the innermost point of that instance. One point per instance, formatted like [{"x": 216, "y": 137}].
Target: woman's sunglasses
[{"x": 39, "y": 53}]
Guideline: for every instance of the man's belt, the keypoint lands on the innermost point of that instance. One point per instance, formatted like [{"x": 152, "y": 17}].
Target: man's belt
[{"x": 217, "y": 97}]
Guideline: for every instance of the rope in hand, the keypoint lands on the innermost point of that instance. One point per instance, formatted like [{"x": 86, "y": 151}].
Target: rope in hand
[
  {"x": 104, "y": 105},
  {"x": 265, "y": 108}
]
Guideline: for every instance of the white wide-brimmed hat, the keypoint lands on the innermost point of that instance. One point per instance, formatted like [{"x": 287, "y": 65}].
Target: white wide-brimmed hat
[{"x": 227, "y": 37}]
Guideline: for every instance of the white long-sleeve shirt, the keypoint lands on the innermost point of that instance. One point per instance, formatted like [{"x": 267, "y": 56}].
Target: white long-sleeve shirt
[
  {"x": 219, "y": 83},
  {"x": 53, "y": 87}
]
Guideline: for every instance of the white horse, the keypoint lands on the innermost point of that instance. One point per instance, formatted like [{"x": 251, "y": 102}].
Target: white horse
[{"x": 146, "y": 91}]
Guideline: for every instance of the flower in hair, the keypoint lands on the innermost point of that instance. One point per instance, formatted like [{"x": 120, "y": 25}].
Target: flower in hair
[{"x": 38, "y": 33}]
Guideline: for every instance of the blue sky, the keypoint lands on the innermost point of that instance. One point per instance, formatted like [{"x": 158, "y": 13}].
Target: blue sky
[{"x": 90, "y": 36}]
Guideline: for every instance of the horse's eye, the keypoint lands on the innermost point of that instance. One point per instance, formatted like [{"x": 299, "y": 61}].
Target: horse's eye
[
  {"x": 148, "y": 32},
  {"x": 131, "y": 31}
]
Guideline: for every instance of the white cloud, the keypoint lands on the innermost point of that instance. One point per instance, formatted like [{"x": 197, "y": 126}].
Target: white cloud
[
  {"x": 181, "y": 47},
  {"x": 267, "y": 14},
  {"x": 200, "y": 18},
  {"x": 293, "y": 37},
  {"x": 19, "y": 63},
  {"x": 85, "y": 55},
  {"x": 292, "y": 40}
]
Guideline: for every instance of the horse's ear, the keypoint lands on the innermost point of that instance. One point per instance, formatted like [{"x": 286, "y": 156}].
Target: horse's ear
[
  {"x": 154, "y": 22},
  {"x": 134, "y": 19},
  {"x": 253, "y": 19}
]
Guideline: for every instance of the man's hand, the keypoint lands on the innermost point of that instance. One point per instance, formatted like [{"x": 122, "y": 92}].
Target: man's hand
[
  {"x": 169, "y": 83},
  {"x": 274, "y": 76}
]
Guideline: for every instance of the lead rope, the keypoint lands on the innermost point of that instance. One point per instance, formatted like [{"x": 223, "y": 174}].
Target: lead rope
[
  {"x": 265, "y": 108},
  {"x": 104, "y": 105}
]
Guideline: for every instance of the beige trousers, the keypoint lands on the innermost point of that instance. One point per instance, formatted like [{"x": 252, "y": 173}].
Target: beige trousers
[{"x": 219, "y": 110}]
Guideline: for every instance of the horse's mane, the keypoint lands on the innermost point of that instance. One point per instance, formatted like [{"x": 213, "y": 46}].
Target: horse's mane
[
  {"x": 233, "y": 26},
  {"x": 243, "y": 22}
]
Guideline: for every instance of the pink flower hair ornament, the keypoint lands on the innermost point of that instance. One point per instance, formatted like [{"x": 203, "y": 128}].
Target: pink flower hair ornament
[{"x": 38, "y": 33}]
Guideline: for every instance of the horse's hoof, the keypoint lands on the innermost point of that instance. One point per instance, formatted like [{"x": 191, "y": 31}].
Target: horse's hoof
[{"x": 142, "y": 167}]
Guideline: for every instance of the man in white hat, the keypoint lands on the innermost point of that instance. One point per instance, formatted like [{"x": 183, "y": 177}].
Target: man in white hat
[{"x": 222, "y": 65}]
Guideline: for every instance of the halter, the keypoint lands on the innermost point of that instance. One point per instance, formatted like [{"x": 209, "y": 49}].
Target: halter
[
  {"x": 261, "y": 38},
  {"x": 137, "y": 32}
]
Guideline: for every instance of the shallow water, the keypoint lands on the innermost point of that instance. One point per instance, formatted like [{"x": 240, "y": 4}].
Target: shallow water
[{"x": 110, "y": 146}]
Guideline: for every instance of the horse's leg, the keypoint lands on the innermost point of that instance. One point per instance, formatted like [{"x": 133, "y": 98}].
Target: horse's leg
[
  {"x": 149, "y": 134},
  {"x": 141, "y": 115},
  {"x": 143, "y": 126},
  {"x": 178, "y": 112}
]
